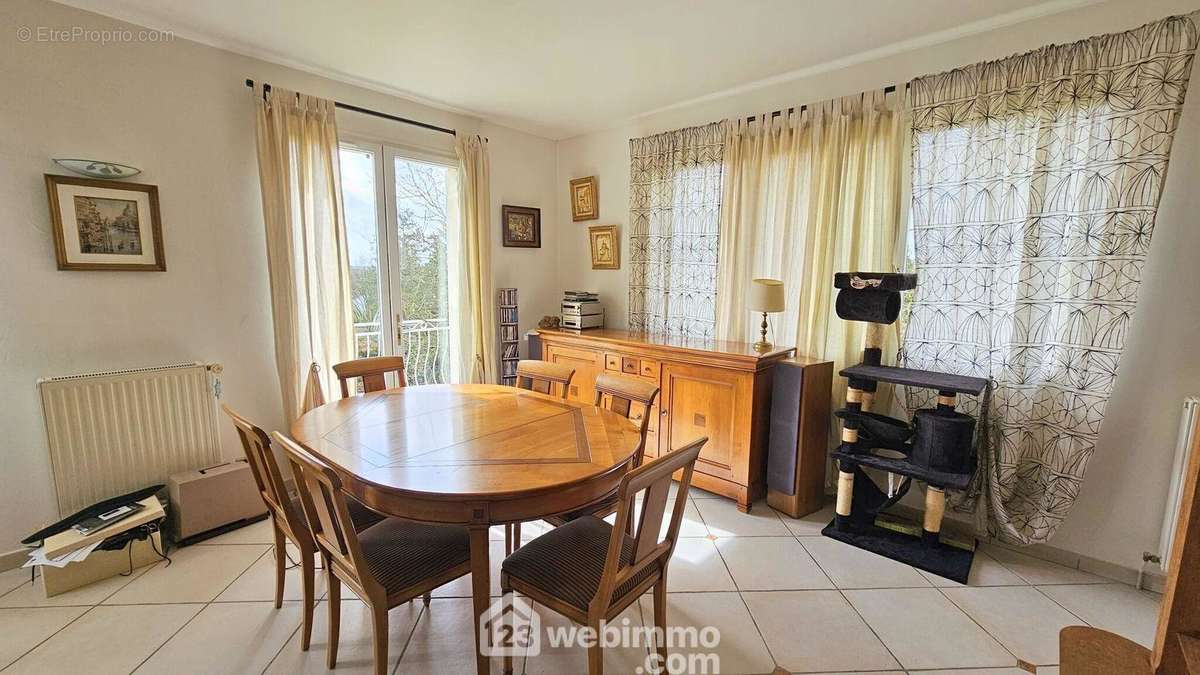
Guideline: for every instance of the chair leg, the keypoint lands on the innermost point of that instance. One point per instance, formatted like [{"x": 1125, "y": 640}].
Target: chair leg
[
  {"x": 516, "y": 538},
  {"x": 596, "y": 654},
  {"x": 334, "y": 600},
  {"x": 309, "y": 578},
  {"x": 379, "y": 631},
  {"x": 280, "y": 564},
  {"x": 427, "y": 597},
  {"x": 508, "y": 540},
  {"x": 506, "y": 592},
  {"x": 660, "y": 620}
]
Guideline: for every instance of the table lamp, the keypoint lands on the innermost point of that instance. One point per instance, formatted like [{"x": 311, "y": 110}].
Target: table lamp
[{"x": 766, "y": 295}]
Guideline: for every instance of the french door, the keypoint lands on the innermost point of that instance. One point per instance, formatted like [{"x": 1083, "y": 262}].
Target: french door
[{"x": 401, "y": 217}]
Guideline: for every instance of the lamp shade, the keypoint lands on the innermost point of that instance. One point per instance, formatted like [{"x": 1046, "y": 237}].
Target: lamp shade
[{"x": 766, "y": 295}]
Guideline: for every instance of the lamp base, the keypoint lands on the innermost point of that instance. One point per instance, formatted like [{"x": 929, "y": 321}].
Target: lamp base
[{"x": 762, "y": 346}]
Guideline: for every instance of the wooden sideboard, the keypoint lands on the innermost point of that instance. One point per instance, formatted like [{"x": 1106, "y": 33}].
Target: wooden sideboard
[{"x": 708, "y": 388}]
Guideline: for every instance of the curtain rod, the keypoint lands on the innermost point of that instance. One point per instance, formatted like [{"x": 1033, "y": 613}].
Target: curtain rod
[
  {"x": 373, "y": 113},
  {"x": 891, "y": 88}
]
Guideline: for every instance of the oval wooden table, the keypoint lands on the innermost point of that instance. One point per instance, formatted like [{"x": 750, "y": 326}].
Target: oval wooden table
[{"x": 474, "y": 455}]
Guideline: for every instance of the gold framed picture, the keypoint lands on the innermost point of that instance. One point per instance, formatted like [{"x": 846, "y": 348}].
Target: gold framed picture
[
  {"x": 105, "y": 224},
  {"x": 606, "y": 247},
  {"x": 585, "y": 199}
]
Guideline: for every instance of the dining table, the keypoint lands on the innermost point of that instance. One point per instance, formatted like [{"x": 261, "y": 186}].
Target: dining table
[{"x": 474, "y": 455}]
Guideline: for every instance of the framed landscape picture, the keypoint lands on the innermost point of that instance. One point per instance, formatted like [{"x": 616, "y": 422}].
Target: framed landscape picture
[
  {"x": 105, "y": 224},
  {"x": 585, "y": 199},
  {"x": 606, "y": 247},
  {"x": 522, "y": 226}
]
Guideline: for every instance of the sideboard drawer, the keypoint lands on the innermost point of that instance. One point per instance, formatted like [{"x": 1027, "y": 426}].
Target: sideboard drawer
[
  {"x": 612, "y": 362},
  {"x": 629, "y": 365},
  {"x": 649, "y": 369}
]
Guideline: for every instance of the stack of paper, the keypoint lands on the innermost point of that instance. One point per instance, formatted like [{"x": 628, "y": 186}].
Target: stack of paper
[{"x": 39, "y": 556}]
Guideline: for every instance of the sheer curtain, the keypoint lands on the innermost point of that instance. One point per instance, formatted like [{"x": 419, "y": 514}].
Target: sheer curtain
[
  {"x": 472, "y": 297},
  {"x": 1036, "y": 181},
  {"x": 306, "y": 239},
  {"x": 674, "y": 210},
  {"x": 807, "y": 194}
]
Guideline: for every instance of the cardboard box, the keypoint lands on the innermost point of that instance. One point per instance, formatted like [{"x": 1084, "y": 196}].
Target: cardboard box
[
  {"x": 208, "y": 498},
  {"x": 100, "y": 565}
]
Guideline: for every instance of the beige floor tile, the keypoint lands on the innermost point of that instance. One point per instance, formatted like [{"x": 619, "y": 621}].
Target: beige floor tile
[
  {"x": 1039, "y": 572},
  {"x": 22, "y": 629},
  {"x": 771, "y": 564},
  {"x": 572, "y": 659},
  {"x": 107, "y": 640},
  {"x": 1022, "y": 619},
  {"x": 741, "y": 648},
  {"x": 32, "y": 595},
  {"x": 10, "y": 579},
  {"x": 724, "y": 520},
  {"x": 355, "y": 642},
  {"x": 851, "y": 567},
  {"x": 925, "y": 630},
  {"x": 443, "y": 641},
  {"x": 696, "y": 566},
  {"x": 985, "y": 571},
  {"x": 697, "y": 493},
  {"x": 196, "y": 574},
  {"x": 254, "y": 533},
  {"x": 982, "y": 671},
  {"x": 258, "y": 582},
  {"x": 692, "y": 524},
  {"x": 813, "y": 631},
  {"x": 461, "y": 587},
  {"x": 1121, "y": 609},
  {"x": 810, "y": 525},
  {"x": 232, "y": 637}
]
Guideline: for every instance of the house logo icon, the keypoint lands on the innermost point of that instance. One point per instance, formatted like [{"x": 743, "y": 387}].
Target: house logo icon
[{"x": 510, "y": 627}]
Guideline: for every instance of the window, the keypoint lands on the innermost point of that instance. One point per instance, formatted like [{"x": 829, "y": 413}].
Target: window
[{"x": 399, "y": 216}]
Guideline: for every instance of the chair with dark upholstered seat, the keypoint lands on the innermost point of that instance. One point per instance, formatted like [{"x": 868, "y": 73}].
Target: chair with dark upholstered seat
[
  {"x": 590, "y": 571},
  {"x": 373, "y": 372},
  {"x": 287, "y": 516},
  {"x": 386, "y": 564}
]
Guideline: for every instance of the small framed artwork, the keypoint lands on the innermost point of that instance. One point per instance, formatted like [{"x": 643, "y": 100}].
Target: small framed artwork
[
  {"x": 522, "y": 226},
  {"x": 105, "y": 224},
  {"x": 606, "y": 247},
  {"x": 585, "y": 199}
]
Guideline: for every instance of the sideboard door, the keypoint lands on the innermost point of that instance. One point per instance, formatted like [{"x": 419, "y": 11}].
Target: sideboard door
[
  {"x": 587, "y": 363},
  {"x": 706, "y": 401}
]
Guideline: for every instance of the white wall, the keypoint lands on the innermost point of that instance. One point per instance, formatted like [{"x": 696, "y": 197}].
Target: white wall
[
  {"x": 1119, "y": 510},
  {"x": 181, "y": 112}
]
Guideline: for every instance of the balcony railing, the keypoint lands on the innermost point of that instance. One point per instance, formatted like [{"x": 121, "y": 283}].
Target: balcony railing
[{"x": 424, "y": 344}]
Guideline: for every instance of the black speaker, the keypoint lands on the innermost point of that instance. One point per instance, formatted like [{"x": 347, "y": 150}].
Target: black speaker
[
  {"x": 799, "y": 435},
  {"x": 534, "y": 346}
]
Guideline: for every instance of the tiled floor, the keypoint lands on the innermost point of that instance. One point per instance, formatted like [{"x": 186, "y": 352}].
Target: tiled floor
[{"x": 780, "y": 594}]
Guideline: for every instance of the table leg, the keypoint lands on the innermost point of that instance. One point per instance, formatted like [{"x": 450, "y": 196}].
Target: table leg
[{"x": 481, "y": 587}]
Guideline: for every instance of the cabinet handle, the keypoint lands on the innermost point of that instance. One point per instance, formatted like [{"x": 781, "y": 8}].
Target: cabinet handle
[{"x": 663, "y": 411}]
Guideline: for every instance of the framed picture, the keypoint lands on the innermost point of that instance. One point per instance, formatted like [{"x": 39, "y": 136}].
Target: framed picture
[
  {"x": 585, "y": 199},
  {"x": 522, "y": 226},
  {"x": 105, "y": 224},
  {"x": 606, "y": 247}
]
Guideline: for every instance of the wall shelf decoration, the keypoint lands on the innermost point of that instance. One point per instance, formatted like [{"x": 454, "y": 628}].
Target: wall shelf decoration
[{"x": 510, "y": 343}]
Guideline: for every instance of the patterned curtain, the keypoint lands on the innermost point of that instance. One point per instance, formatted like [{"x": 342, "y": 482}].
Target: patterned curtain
[
  {"x": 1035, "y": 185},
  {"x": 674, "y": 208}
]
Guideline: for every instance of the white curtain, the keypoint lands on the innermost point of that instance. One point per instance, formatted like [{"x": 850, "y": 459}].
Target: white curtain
[
  {"x": 674, "y": 210},
  {"x": 473, "y": 318},
  {"x": 807, "y": 194},
  {"x": 306, "y": 238},
  {"x": 1036, "y": 180}
]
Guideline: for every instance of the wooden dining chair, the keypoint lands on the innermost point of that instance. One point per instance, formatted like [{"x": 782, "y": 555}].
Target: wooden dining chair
[
  {"x": 624, "y": 396},
  {"x": 542, "y": 376},
  {"x": 1084, "y": 649},
  {"x": 373, "y": 372},
  {"x": 590, "y": 571},
  {"x": 287, "y": 516},
  {"x": 386, "y": 565}
]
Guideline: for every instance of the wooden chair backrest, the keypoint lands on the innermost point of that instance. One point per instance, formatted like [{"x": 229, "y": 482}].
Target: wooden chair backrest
[
  {"x": 329, "y": 522},
  {"x": 654, "y": 478},
  {"x": 629, "y": 397},
  {"x": 1179, "y": 613},
  {"x": 267, "y": 476},
  {"x": 542, "y": 376},
  {"x": 373, "y": 372}
]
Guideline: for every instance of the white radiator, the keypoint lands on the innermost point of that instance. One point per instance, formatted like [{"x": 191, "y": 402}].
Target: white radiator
[
  {"x": 111, "y": 433},
  {"x": 1183, "y": 451}
]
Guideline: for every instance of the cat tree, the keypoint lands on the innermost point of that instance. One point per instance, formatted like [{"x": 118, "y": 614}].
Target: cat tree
[{"x": 936, "y": 448}]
